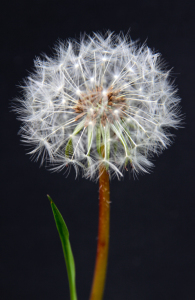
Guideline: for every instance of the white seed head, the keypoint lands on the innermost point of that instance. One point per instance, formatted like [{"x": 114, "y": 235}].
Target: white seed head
[{"x": 104, "y": 100}]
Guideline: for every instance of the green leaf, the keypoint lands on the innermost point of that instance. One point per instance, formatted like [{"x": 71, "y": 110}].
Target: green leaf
[
  {"x": 64, "y": 237},
  {"x": 128, "y": 134},
  {"x": 69, "y": 148},
  {"x": 90, "y": 138},
  {"x": 119, "y": 134},
  {"x": 98, "y": 139},
  {"x": 105, "y": 132},
  {"x": 107, "y": 142},
  {"x": 79, "y": 127}
]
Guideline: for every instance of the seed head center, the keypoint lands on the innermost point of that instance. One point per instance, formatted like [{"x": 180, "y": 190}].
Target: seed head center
[{"x": 100, "y": 105}]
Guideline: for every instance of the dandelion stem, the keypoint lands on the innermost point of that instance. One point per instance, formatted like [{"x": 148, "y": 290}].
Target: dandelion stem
[{"x": 103, "y": 236}]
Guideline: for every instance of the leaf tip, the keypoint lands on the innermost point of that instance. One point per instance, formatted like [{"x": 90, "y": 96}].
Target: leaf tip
[{"x": 49, "y": 199}]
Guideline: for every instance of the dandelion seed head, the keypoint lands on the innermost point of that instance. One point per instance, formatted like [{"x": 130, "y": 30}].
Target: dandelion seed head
[{"x": 106, "y": 92}]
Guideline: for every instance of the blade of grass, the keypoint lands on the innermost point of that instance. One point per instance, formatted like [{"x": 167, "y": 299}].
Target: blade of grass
[{"x": 64, "y": 237}]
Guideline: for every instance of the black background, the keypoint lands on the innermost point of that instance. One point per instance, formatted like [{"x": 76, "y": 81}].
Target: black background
[{"x": 152, "y": 243}]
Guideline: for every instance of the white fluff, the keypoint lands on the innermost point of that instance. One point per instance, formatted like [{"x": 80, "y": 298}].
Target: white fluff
[{"x": 104, "y": 91}]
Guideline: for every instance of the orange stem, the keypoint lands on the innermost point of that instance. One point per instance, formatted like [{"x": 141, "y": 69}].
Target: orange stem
[{"x": 103, "y": 236}]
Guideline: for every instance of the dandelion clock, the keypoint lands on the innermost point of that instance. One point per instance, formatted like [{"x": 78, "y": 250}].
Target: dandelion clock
[{"x": 103, "y": 105}]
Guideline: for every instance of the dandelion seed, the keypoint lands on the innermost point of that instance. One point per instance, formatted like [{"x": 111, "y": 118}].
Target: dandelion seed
[{"x": 106, "y": 91}]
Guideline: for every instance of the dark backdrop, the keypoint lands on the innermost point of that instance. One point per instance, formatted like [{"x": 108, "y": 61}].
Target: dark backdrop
[{"x": 152, "y": 244}]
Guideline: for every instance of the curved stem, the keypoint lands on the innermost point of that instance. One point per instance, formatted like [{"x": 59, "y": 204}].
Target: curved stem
[{"x": 103, "y": 236}]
